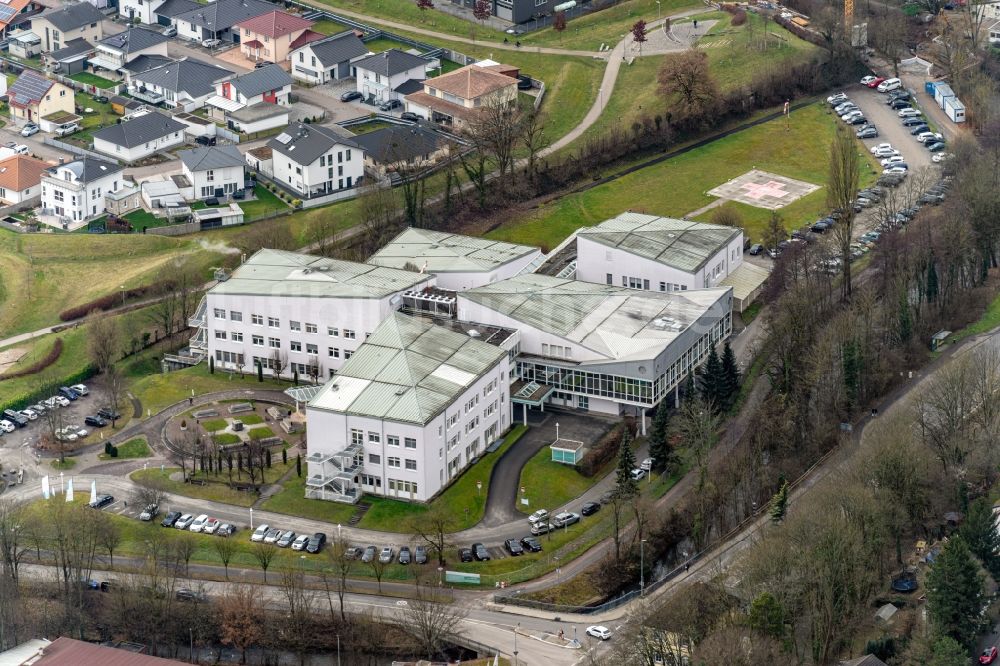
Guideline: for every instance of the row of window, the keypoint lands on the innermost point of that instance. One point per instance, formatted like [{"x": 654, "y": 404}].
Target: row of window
[
  {"x": 392, "y": 461},
  {"x": 275, "y": 322},
  {"x": 640, "y": 283},
  {"x": 358, "y": 438}
]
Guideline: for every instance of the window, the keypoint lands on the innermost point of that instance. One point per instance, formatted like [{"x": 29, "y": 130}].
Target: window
[
  {"x": 273, "y": 322},
  {"x": 295, "y": 346},
  {"x": 235, "y": 316},
  {"x": 210, "y": 175},
  {"x": 663, "y": 286},
  {"x": 311, "y": 328},
  {"x": 274, "y": 343},
  {"x": 348, "y": 155},
  {"x": 332, "y": 332},
  {"x": 410, "y": 443},
  {"x": 349, "y": 334},
  {"x": 369, "y": 480},
  {"x": 220, "y": 313},
  {"x": 403, "y": 486},
  {"x": 374, "y": 438},
  {"x": 333, "y": 352},
  {"x": 220, "y": 335},
  {"x": 357, "y": 436},
  {"x": 295, "y": 326},
  {"x": 348, "y": 354},
  {"x": 452, "y": 420},
  {"x": 411, "y": 464},
  {"x": 311, "y": 349},
  {"x": 236, "y": 336},
  {"x": 256, "y": 320},
  {"x": 302, "y": 57},
  {"x": 610, "y": 278},
  {"x": 392, "y": 461},
  {"x": 392, "y": 440},
  {"x": 374, "y": 459},
  {"x": 453, "y": 442},
  {"x": 258, "y": 340}
]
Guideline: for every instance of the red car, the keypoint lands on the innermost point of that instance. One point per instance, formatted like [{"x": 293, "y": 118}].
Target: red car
[
  {"x": 989, "y": 655},
  {"x": 878, "y": 80}
]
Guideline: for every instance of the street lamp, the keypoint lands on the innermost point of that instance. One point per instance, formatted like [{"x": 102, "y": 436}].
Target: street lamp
[
  {"x": 657, "y": 8},
  {"x": 642, "y": 567},
  {"x": 251, "y": 517},
  {"x": 515, "y": 642},
  {"x": 122, "y": 287}
]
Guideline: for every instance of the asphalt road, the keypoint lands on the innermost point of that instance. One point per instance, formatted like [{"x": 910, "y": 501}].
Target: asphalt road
[{"x": 890, "y": 127}]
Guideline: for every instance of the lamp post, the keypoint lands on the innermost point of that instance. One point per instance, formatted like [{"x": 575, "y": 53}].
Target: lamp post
[
  {"x": 515, "y": 642},
  {"x": 122, "y": 287},
  {"x": 657, "y": 8},
  {"x": 642, "y": 568},
  {"x": 251, "y": 517}
]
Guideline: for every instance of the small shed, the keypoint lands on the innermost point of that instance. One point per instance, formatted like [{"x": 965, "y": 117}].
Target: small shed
[
  {"x": 566, "y": 451},
  {"x": 942, "y": 91},
  {"x": 939, "y": 339},
  {"x": 886, "y": 613},
  {"x": 954, "y": 109},
  {"x": 224, "y": 216}
]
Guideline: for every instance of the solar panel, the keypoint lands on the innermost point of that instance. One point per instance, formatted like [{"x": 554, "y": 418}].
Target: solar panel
[
  {"x": 29, "y": 86},
  {"x": 283, "y": 139},
  {"x": 6, "y": 13}
]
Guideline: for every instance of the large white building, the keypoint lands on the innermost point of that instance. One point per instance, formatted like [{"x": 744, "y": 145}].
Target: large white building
[
  {"x": 657, "y": 253},
  {"x": 75, "y": 191},
  {"x": 310, "y": 313},
  {"x": 415, "y": 406},
  {"x": 459, "y": 262},
  {"x": 312, "y": 160},
  {"x": 597, "y": 347}
]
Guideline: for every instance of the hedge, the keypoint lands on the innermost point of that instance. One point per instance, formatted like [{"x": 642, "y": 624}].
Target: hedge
[
  {"x": 40, "y": 364},
  {"x": 103, "y": 303},
  {"x": 605, "y": 450},
  {"x": 36, "y": 393}
]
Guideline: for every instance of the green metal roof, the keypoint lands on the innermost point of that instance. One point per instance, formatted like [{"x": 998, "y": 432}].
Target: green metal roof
[
  {"x": 682, "y": 244},
  {"x": 280, "y": 273},
  {"x": 407, "y": 370},
  {"x": 447, "y": 253}
]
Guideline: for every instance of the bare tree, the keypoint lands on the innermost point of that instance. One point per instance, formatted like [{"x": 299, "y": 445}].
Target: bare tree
[
  {"x": 687, "y": 77},
  {"x": 278, "y": 362},
  {"x": 495, "y": 131},
  {"x": 241, "y": 618},
  {"x": 264, "y": 553},
  {"x": 434, "y": 526},
  {"x": 532, "y": 138},
  {"x": 378, "y": 209},
  {"x": 104, "y": 340},
  {"x": 266, "y": 235},
  {"x": 341, "y": 560},
  {"x": 151, "y": 493},
  {"x": 182, "y": 548},
  {"x": 321, "y": 232},
  {"x": 841, "y": 192},
  {"x": 109, "y": 536},
  {"x": 225, "y": 549},
  {"x": 378, "y": 568},
  {"x": 300, "y": 602},
  {"x": 114, "y": 385},
  {"x": 14, "y": 522},
  {"x": 431, "y": 622}
]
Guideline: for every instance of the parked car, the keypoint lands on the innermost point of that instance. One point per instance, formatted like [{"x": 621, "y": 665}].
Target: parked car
[
  {"x": 532, "y": 544},
  {"x": 95, "y": 421},
  {"x": 404, "y": 555},
  {"x": 875, "y": 82},
  {"x": 171, "y": 518},
  {"x": 880, "y": 146},
  {"x": 935, "y": 147},
  {"x": 599, "y": 632},
  {"x": 590, "y": 508},
  {"x": 149, "y": 512},
  {"x": 226, "y": 530},
  {"x": 272, "y": 535},
  {"x": 108, "y": 413},
  {"x": 390, "y": 104},
  {"x": 646, "y": 464},
  {"x": 68, "y": 393},
  {"x": 7, "y": 426},
  {"x": 941, "y": 157},
  {"x": 889, "y": 85},
  {"x": 638, "y": 474},
  {"x": 102, "y": 501},
  {"x": 465, "y": 554},
  {"x": 869, "y": 132},
  {"x": 480, "y": 553},
  {"x": 205, "y": 140},
  {"x": 171, "y": 31},
  {"x": 895, "y": 159},
  {"x": 67, "y": 129},
  {"x": 924, "y": 137},
  {"x": 286, "y": 539},
  {"x": 565, "y": 519},
  {"x": 856, "y": 120},
  {"x": 369, "y": 554},
  {"x": 29, "y": 414},
  {"x": 350, "y": 96},
  {"x": 541, "y": 528},
  {"x": 316, "y": 543},
  {"x": 211, "y": 43},
  {"x": 914, "y": 121},
  {"x": 81, "y": 389},
  {"x": 184, "y": 522},
  {"x": 756, "y": 249},
  {"x": 894, "y": 170},
  {"x": 259, "y": 533},
  {"x": 837, "y": 98},
  {"x": 21, "y": 149},
  {"x": 919, "y": 129},
  {"x": 29, "y": 129},
  {"x": 989, "y": 655},
  {"x": 410, "y": 116},
  {"x": 39, "y": 409},
  {"x": 420, "y": 555},
  {"x": 537, "y": 516},
  {"x": 17, "y": 418},
  {"x": 211, "y": 526},
  {"x": 513, "y": 547},
  {"x": 865, "y": 80},
  {"x": 385, "y": 555},
  {"x": 899, "y": 104},
  {"x": 300, "y": 542},
  {"x": 187, "y": 594},
  {"x": 909, "y": 112}
]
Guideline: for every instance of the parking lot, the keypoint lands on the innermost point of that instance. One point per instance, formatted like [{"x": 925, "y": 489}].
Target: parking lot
[{"x": 890, "y": 127}]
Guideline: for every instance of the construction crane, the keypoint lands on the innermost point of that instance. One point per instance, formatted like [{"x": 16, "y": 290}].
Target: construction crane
[{"x": 848, "y": 13}]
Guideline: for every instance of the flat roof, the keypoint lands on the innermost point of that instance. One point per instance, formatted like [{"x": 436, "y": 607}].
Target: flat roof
[
  {"x": 745, "y": 279},
  {"x": 681, "y": 244},
  {"x": 407, "y": 370},
  {"x": 614, "y": 322},
  {"x": 281, "y": 273},
  {"x": 447, "y": 253}
]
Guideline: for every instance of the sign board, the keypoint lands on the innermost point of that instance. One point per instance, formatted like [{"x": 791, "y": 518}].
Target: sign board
[
  {"x": 461, "y": 577},
  {"x": 524, "y": 501}
]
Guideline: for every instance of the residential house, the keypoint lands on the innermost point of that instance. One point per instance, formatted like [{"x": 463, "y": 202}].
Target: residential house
[
  {"x": 457, "y": 97},
  {"x": 253, "y": 102},
  {"x": 401, "y": 147},
  {"x": 379, "y": 75},
  {"x": 271, "y": 37},
  {"x": 216, "y": 171},
  {"x": 113, "y": 54},
  {"x": 70, "y": 59},
  {"x": 143, "y": 63},
  {"x": 20, "y": 178},
  {"x": 458, "y": 262},
  {"x": 150, "y": 12},
  {"x": 165, "y": 13},
  {"x": 75, "y": 191},
  {"x": 24, "y": 44},
  {"x": 312, "y": 160},
  {"x": 186, "y": 83},
  {"x": 77, "y": 21},
  {"x": 215, "y": 20},
  {"x": 416, "y": 405},
  {"x": 32, "y": 97},
  {"x": 519, "y": 11},
  {"x": 327, "y": 59},
  {"x": 994, "y": 36},
  {"x": 15, "y": 15},
  {"x": 260, "y": 159},
  {"x": 139, "y": 137}
]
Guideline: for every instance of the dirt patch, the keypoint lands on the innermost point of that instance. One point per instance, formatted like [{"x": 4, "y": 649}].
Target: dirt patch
[{"x": 9, "y": 357}]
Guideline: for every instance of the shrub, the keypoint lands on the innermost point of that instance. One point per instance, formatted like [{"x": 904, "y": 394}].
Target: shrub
[
  {"x": 739, "y": 17},
  {"x": 114, "y": 452},
  {"x": 40, "y": 364},
  {"x": 604, "y": 450},
  {"x": 103, "y": 303}
]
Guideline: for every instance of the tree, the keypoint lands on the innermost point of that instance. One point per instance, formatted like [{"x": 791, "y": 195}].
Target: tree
[
  {"x": 114, "y": 386},
  {"x": 342, "y": 559},
  {"x": 842, "y": 188},
  {"x": 104, "y": 341},
  {"x": 264, "y": 553},
  {"x": 688, "y": 77},
  {"x": 659, "y": 437},
  {"x": 424, "y": 5},
  {"x": 775, "y": 231},
  {"x": 767, "y": 616},
  {"x": 532, "y": 138},
  {"x": 559, "y": 22},
  {"x": 378, "y": 568},
  {"x": 955, "y": 593},
  {"x": 730, "y": 376},
  {"x": 980, "y": 533},
  {"x": 182, "y": 548},
  {"x": 225, "y": 549},
  {"x": 779, "y": 503},
  {"x": 625, "y": 485},
  {"x": 639, "y": 33},
  {"x": 946, "y": 651},
  {"x": 495, "y": 130},
  {"x": 712, "y": 381},
  {"x": 378, "y": 209},
  {"x": 431, "y": 622},
  {"x": 481, "y": 10},
  {"x": 434, "y": 526},
  {"x": 726, "y": 216},
  {"x": 241, "y": 618},
  {"x": 278, "y": 362},
  {"x": 109, "y": 535}
]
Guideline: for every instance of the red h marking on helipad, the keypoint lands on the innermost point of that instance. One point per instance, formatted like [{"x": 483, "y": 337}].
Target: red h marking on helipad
[{"x": 771, "y": 188}]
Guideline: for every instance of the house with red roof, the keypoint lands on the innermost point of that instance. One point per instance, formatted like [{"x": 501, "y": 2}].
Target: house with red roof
[{"x": 271, "y": 37}]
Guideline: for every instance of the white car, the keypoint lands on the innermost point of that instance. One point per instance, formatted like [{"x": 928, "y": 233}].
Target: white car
[
  {"x": 300, "y": 541},
  {"x": 7, "y": 426},
  {"x": 21, "y": 149},
  {"x": 600, "y": 632},
  {"x": 66, "y": 435},
  {"x": 895, "y": 170},
  {"x": 539, "y": 516},
  {"x": 81, "y": 389},
  {"x": 867, "y": 80},
  {"x": 941, "y": 157},
  {"x": 887, "y": 152},
  {"x": 889, "y": 85},
  {"x": 211, "y": 525},
  {"x": 211, "y": 43},
  {"x": 29, "y": 414},
  {"x": 29, "y": 129},
  {"x": 910, "y": 113},
  {"x": 198, "y": 524},
  {"x": 880, "y": 146},
  {"x": 258, "y": 534},
  {"x": 638, "y": 474},
  {"x": 184, "y": 522},
  {"x": 895, "y": 159},
  {"x": 61, "y": 400},
  {"x": 925, "y": 137},
  {"x": 77, "y": 430},
  {"x": 837, "y": 98}
]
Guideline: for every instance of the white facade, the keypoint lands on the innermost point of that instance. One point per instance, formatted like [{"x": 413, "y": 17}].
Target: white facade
[
  {"x": 338, "y": 169},
  {"x": 205, "y": 182},
  {"x": 144, "y": 10},
  {"x": 64, "y": 194},
  {"x": 171, "y": 140},
  {"x": 15, "y": 197},
  {"x": 382, "y": 87},
  {"x": 187, "y": 30}
]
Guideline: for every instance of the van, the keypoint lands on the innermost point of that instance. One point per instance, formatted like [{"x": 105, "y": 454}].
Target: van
[{"x": 889, "y": 84}]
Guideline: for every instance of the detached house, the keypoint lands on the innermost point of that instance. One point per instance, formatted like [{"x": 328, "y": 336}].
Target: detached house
[
  {"x": 313, "y": 161},
  {"x": 271, "y": 37},
  {"x": 380, "y": 75},
  {"x": 115, "y": 53},
  {"x": 185, "y": 83},
  {"x": 139, "y": 137},
  {"x": 74, "y": 192},
  {"x": 79, "y": 21},
  {"x": 253, "y": 102},
  {"x": 216, "y": 19},
  {"x": 456, "y": 97},
  {"x": 328, "y": 59},
  {"x": 20, "y": 178},
  {"x": 33, "y": 97},
  {"x": 14, "y": 13},
  {"x": 213, "y": 172}
]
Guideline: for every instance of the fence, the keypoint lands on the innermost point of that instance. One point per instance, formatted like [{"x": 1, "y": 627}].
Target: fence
[
  {"x": 77, "y": 150},
  {"x": 114, "y": 89},
  {"x": 226, "y": 134}
]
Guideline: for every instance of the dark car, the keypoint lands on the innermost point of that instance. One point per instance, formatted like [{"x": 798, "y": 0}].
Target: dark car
[
  {"x": 353, "y": 553},
  {"x": 205, "y": 140},
  {"x": 390, "y": 104},
  {"x": 755, "y": 249},
  {"x": 869, "y": 132},
  {"x": 404, "y": 555},
  {"x": 212, "y": 201},
  {"x": 170, "y": 519},
  {"x": 100, "y": 99},
  {"x": 410, "y": 116},
  {"x": 935, "y": 147},
  {"x": 187, "y": 594},
  {"x": 261, "y": 64},
  {"x": 918, "y": 129},
  {"x": 102, "y": 501},
  {"x": 350, "y": 96},
  {"x": 108, "y": 413},
  {"x": 857, "y": 120},
  {"x": 225, "y": 530},
  {"x": 914, "y": 121},
  {"x": 465, "y": 554},
  {"x": 531, "y": 544},
  {"x": 68, "y": 393},
  {"x": 15, "y": 417},
  {"x": 899, "y": 104},
  {"x": 479, "y": 552},
  {"x": 524, "y": 82},
  {"x": 590, "y": 508},
  {"x": 369, "y": 554},
  {"x": 819, "y": 227},
  {"x": 95, "y": 421},
  {"x": 513, "y": 547},
  {"x": 420, "y": 555},
  {"x": 316, "y": 543}
]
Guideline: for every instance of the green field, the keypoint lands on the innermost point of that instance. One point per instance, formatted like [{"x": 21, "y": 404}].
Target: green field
[
  {"x": 159, "y": 391},
  {"x": 607, "y": 26},
  {"x": 72, "y": 359},
  {"x": 384, "y": 44},
  {"x": 328, "y": 27},
  {"x": 406, "y": 11},
  {"x": 215, "y": 491},
  {"x": 798, "y": 152},
  {"x": 266, "y": 203},
  {"x": 550, "y": 484},
  {"x": 133, "y": 448}
]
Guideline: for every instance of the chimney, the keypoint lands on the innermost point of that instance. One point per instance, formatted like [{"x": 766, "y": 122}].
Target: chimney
[{"x": 62, "y": 160}]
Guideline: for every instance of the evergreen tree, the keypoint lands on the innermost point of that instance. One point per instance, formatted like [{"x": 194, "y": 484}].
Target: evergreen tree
[
  {"x": 948, "y": 652},
  {"x": 625, "y": 486},
  {"x": 298, "y": 465},
  {"x": 690, "y": 390},
  {"x": 980, "y": 533},
  {"x": 260, "y": 371},
  {"x": 852, "y": 371},
  {"x": 211, "y": 365},
  {"x": 730, "y": 376},
  {"x": 659, "y": 432},
  {"x": 711, "y": 380},
  {"x": 932, "y": 283},
  {"x": 779, "y": 503},
  {"x": 767, "y": 616},
  {"x": 267, "y": 458},
  {"x": 955, "y": 593}
]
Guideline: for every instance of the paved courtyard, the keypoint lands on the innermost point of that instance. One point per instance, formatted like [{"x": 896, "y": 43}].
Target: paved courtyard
[{"x": 763, "y": 190}]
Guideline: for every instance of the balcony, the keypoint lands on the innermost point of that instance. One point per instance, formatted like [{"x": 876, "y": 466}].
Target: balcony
[
  {"x": 147, "y": 95},
  {"x": 199, "y": 341}
]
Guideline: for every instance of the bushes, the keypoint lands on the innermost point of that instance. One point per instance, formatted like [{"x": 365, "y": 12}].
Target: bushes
[
  {"x": 103, "y": 303},
  {"x": 30, "y": 396},
  {"x": 605, "y": 450},
  {"x": 739, "y": 17},
  {"x": 40, "y": 364}
]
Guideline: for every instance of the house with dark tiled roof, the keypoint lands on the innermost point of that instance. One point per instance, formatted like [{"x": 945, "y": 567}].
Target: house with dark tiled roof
[
  {"x": 33, "y": 97},
  {"x": 313, "y": 160},
  {"x": 253, "y": 102},
  {"x": 271, "y": 37},
  {"x": 114, "y": 53},
  {"x": 328, "y": 59},
  {"x": 379, "y": 75},
  {"x": 139, "y": 137},
  {"x": 397, "y": 147},
  {"x": 216, "y": 20},
  {"x": 70, "y": 59},
  {"x": 77, "y": 21},
  {"x": 185, "y": 83}
]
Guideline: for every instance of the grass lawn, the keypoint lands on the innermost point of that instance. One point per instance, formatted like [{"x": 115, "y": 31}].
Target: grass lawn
[
  {"x": 216, "y": 490},
  {"x": 157, "y": 392},
  {"x": 406, "y": 11},
  {"x": 133, "y": 448},
  {"x": 227, "y": 438},
  {"x": 384, "y": 44},
  {"x": 800, "y": 152},
  {"x": 989, "y": 321},
  {"x": 265, "y": 203},
  {"x": 87, "y": 78},
  {"x": 141, "y": 219},
  {"x": 211, "y": 425},
  {"x": 607, "y": 26},
  {"x": 328, "y": 27},
  {"x": 292, "y": 500},
  {"x": 261, "y": 432},
  {"x": 251, "y": 419},
  {"x": 68, "y": 463},
  {"x": 72, "y": 360},
  {"x": 551, "y": 484}
]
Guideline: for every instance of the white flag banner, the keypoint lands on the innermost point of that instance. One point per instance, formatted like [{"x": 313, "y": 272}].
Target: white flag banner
[
  {"x": 69, "y": 490},
  {"x": 45, "y": 486},
  {"x": 93, "y": 492}
]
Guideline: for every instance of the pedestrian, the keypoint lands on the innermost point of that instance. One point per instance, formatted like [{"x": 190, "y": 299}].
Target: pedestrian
[
  {"x": 696, "y": 24},
  {"x": 190, "y": 400},
  {"x": 687, "y": 566}
]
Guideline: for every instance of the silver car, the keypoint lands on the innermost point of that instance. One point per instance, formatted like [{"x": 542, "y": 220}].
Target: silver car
[{"x": 385, "y": 557}]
